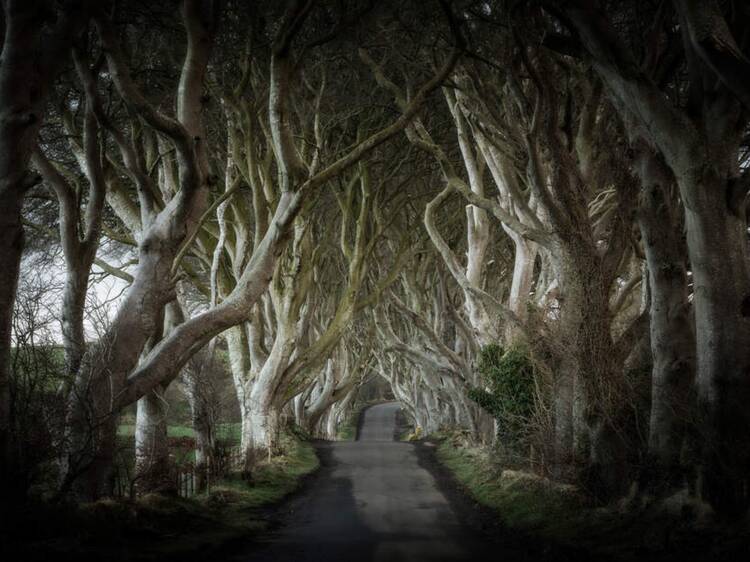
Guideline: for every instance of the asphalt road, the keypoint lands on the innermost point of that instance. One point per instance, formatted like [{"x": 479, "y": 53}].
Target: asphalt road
[{"x": 374, "y": 502}]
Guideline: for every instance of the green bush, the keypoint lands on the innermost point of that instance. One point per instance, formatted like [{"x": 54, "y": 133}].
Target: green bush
[{"x": 508, "y": 392}]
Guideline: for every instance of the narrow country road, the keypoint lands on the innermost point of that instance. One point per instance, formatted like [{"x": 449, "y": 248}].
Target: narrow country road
[{"x": 375, "y": 503}]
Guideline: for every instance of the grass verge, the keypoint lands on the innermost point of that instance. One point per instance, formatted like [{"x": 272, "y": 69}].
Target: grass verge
[
  {"x": 561, "y": 515},
  {"x": 348, "y": 430},
  {"x": 157, "y": 527},
  {"x": 227, "y": 431}
]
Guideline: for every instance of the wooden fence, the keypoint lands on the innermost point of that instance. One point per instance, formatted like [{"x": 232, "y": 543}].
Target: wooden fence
[
  {"x": 185, "y": 481},
  {"x": 182, "y": 477}
]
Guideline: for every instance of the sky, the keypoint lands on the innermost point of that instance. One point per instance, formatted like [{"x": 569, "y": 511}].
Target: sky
[{"x": 40, "y": 297}]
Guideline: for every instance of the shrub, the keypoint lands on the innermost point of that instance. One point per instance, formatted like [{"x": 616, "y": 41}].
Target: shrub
[{"x": 508, "y": 393}]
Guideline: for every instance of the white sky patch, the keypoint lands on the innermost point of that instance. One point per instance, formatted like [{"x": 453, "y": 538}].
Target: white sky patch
[{"x": 40, "y": 293}]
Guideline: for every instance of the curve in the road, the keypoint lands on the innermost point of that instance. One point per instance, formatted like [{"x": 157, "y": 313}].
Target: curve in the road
[
  {"x": 376, "y": 503},
  {"x": 379, "y": 422}
]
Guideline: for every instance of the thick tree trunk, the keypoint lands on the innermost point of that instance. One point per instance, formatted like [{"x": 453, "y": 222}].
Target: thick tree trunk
[
  {"x": 564, "y": 385},
  {"x": 261, "y": 415},
  {"x": 11, "y": 248},
  {"x": 570, "y": 318},
  {"x": 28, "y": 69},
  {"x": 105, "y": 367},
  {"x": 239, "y": 361},
  {"x": 593, "y": 389},
  {"x": 322, "y": 402},
  {"x": 323, "y": 416},
  {"x": 672, "y": 335},
  {"x": 478, "y": 235},
  {"x": 90, "y": 461},
  {"x": 260, "y": 431},
  {"x": 717, "y": 244},
  {"x": 298, "y": 407},
  {"x": 331, "y": 423},
  {"x": 205, "y": 443},
  {"x": 702, "y": 149},
  {"x": 152, "y": 466},
  {"x": 314, "y": 426},
  {"x": 430, "y": 421},
  {"x": 603, "y": 394},
  {"x": 202, "y": 405},
  {"x": 313, "y": 420},
  {"x": 338, "y": 413}
]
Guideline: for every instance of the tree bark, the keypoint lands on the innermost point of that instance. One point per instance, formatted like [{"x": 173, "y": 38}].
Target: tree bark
[
  {"x": 590, "y": 382},
  {"x": 73, "y": 302},
  {"x": 30, "y": 63},
  {"x": 672, "y": 335},
  {"x": 702, "y": 151},
  {"x": 201, "y": 396},
  {"x": 153, "y": 471},
  {"x": 101, "y": 380},
  {"x": 717, "y": 241},
  {"x": 522, "y": 281},
  {"x": 152, "y": 462},
  {"x": 11, "y": 248}
]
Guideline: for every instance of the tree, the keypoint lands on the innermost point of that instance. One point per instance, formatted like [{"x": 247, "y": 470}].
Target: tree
[
  {"x": 699, "y": 138},
  {"x": 36, "y": 42},
  {"x": 103, "y": 387}
]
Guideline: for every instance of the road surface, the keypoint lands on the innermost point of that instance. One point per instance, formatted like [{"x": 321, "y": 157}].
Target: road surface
[{"x": 374, "y": 503}]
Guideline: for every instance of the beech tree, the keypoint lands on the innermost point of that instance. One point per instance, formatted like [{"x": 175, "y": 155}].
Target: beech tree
[
  {"x": 699, "y": 138},
  {"x": 36, "y": 42},
  {"x": 325, "y": 193},
  {"x": 170, "y": 218}
]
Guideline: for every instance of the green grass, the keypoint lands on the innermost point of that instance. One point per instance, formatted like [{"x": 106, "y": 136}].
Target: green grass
[
  {"x": 230, "y": 510},
  {"x": 161, "y": 528},
  {"x": 347, "y": 431},
  {"x": 272, "y": 480},
  {"x": 521, "y": 500},
  {"x": 228, "y": 431},
  {"x": 560, "y": 514}
]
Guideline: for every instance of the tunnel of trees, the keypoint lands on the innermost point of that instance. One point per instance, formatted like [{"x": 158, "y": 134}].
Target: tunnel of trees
[{"x": 526, "y": 218}]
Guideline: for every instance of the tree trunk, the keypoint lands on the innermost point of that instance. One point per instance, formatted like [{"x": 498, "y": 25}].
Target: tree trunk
[
  {"x": 702, "y": 148},
  {"x": 717, "y": 244},
  {"x": 563, "y": 417},
  {"x": 322, "y": 402},
  {"x": 202, "y": 404},
  {"x": 90, "y": 467},
  {"x": 260, "y": 418},
  {"x": 107, "y": 365},
  {"x": 11, "y": 248},
  {"x": 28, "y": 68},
  {"x": 522, "y": 281},
  {"x": 331, "y": 423},
  {"x": 602, "y": 395},
  {"x": 570, "y": 319},
  {"x": 338, "y": 413},
  {"x": 152, "y": 466},
  {"x": 73, "y": 302},
  {"x": 205, "y": 442},
  {"x": 672, "y": 336},
  {"x": 260, "y": 431},
  {"x": 595, "y": 387}
]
